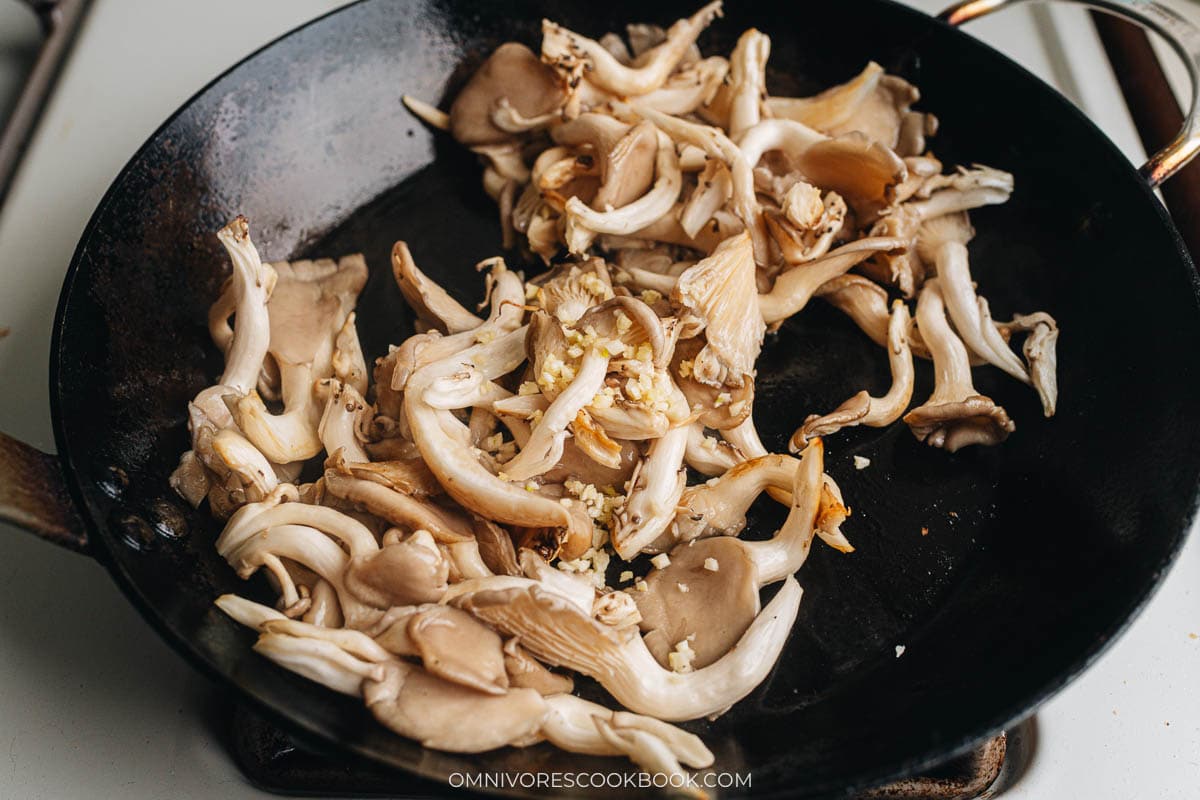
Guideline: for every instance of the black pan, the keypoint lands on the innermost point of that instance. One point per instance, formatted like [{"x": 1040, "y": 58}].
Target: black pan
[{"x": 1038, "y": 551}]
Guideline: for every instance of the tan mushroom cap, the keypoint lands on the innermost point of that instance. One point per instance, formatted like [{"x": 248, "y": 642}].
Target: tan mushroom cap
[
  {"x": 310, "y": 302},
  {"x": 526, "y": 672},
  {"x": 709, "y": 404},
  {"x": 445, "y": 716},
  {"x": 456, "y": 647},
  {"x": 717, "y": 606},
  {"x": 432, "y": 304},
  {"x": 718, "y": 291},
  {"x": 513, "y": 73},
  {"x": 402, "y": 574}
]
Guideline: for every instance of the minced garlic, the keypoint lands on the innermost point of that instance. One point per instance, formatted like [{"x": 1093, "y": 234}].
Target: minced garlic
[
  {"x": 711, "y": 565},
  {"x": 681, "y": 657},
  {"x": 661, "y": 561}
]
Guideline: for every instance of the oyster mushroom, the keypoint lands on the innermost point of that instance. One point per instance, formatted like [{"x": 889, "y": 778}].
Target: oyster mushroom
[
  {"x": 577, "y": 725},
  {"x": 936, "y": 196},
  {"x": 570, "y": 290},
  {"x": 688, "y": 89},
  {"x": 714, "y": 187},
  {"x": 796, "y": 286},
  {"x": 747, "y": 81},
  {"x": 654, "y": 491},
  {"x": 865, "y": 173},
  {"x": 513, "y": 74},
  {"x": 456, "y": 647},
  {"x": 309, "y": 547},
  {"x": 716, "y": 292},
  {"x": 308, "y": 308},
  {"x": 1040, "y": 351},
  {"x": 506, "y": 294},
  {"x": 805, "y": 227},
  {"x": 584, "y": 222},
  {"x": 320, "y": 661},
  {"x": 396, "y": 507},
  {"x": 407, "y": 572},
  {"x": 833, "y": 107},
  {"x": 709, "y": 455},
  {"x": 526, "y": 672},
  {"x": 575, "y": 55},
  {"x": 341, "y": 420},
  {"x": 431, "y": 711},
  {"x": 432, "y": 304},
  {"x": 863, "y": 408},
  {"x": 943, "y": 241},
  {"x": 955, "y": 416},
  {"x": 719, "y": 506},
  {"x": 714, "y": 611},
  {"x": 623, "y": 322},
  {"x": 253, "y": 284},
  {"x": 716, "y": 144},
  {"x": 561, "y": 634},
  {"x": 719, "y": 407},
  {"x": 627, "y": 168}
]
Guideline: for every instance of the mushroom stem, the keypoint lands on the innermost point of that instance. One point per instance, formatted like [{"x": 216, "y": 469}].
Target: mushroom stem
[
  {"x": 795, "y": 287},
  {"x": 583, "y": 222},
  {"x": 656, "y": 487},
  {"x": 340, "y": 421},
  {"x": 545, "y": 445},
  {"x": 782, "y": 555},
  {"x": 943, "y": 240},
  {"x": 719, "y": 506},
  {"x": 254, "y": 518},
  {"x": 862, "y": 408},
  {"x": 252, "y": 284},
  {"x": 609, "y": 74},
  {"x": 561, "y": 635},
  {"x": 748, "y": 79},
  {"x": 320, "y": 661},
  {"x": 955, "y": 416},
  {"x": 716, "y": 144}
]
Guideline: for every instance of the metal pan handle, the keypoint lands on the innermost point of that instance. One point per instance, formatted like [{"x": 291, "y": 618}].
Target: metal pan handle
[
  {"x": 1183, "y": 37},
  {"x": 33, "y": 495}
]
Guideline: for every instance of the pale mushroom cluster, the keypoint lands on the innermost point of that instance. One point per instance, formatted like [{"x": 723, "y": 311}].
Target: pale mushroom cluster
[
  {"x": 503, "y": 500},
  {"x": 639, "y": 150}
]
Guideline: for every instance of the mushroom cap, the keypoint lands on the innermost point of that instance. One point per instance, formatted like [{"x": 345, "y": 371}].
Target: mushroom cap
[
  {"x": 513, "y": 72},
  {"x": 860, "y": 170},
  {"x": 456, "y": 647},
  {"x": 627, "y": 170},
  {"x": 445, "y": 716},
  {"x": 957, "y": 424},
  {"x": 407, "y": 573},
  {"x": 431, "y": 303},
  {"x": 719, "y": 291},
  {"x": 706, "y": 402},
  {"x": 646, "y": 328},
  {"x": 310, "y": 303},
  {"x": 526, "y": 672},
  {"x": 717, "y": 607}
]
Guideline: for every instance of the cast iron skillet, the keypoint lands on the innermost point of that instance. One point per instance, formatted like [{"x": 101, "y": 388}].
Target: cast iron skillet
[{"x": 1038, "y": 552}]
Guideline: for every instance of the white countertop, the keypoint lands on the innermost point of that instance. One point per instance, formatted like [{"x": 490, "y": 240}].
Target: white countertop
[{"x": 93, "y": 704}]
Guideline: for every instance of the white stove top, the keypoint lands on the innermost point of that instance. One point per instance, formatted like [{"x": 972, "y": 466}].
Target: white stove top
[{"x": 93, "y": 704}]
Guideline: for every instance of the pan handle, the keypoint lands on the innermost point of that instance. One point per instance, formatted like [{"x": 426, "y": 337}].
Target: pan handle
[
  {"x": 33, "y": 495},
  {"x": 1181, "y": 34}
]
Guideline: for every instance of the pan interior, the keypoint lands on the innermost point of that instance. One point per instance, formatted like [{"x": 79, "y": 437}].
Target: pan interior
[{"x": 1036, "y": 551}]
